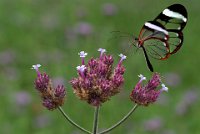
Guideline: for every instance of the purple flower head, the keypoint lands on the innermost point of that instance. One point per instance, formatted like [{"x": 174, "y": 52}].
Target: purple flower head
[
  {"x": 119, "y": 70},
  {"x": 49, "y": 104},
  {"x": 154, "y": 82},
  {"x": 51, "y": 97},
  {"x": 36, "y": 67},
  {"x": 108, "y": 59},
  {"x": 42, "y": 81},
  {"x": 102, "y": 51},
  {"x": 60, "y": 91},
  {"x": 164, "y": 88},
  {"x": 54, "y": 98},
  {"x": 82, "y": 55},
  {"x": 141, "y": 78},
  {"x": 123, "y": 57},
  {"x": 145, "y": 95},
  {"x": 97, "y": 81},
  {"x": 81, "y": 70}
]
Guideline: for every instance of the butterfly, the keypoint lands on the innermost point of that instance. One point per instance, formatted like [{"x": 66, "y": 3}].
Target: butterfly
[{"x": 163, "y": 36}]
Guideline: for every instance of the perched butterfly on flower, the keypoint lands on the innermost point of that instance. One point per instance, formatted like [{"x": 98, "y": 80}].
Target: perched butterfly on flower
[{"x": 163, "y": 36}]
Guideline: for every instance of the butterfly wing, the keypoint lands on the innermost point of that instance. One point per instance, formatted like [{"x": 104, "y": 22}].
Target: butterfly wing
[
  {"x": 174, "y": 18},
  {"x": 154, "y": 39},
  {"x": 163, "y": 36}
]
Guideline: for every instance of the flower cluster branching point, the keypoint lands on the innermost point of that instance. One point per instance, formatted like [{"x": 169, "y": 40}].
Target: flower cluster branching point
[
  {"x": 148, "y": 94},
  {"x": 100, "y": 81},
  {"x": 52, "y": 98}
]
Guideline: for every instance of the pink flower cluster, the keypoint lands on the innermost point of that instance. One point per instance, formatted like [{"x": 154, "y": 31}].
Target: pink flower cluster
[
  {"x": 51, "y": 97},
  {"x": 145, "y": 95},
  {"x": 96, "y": 81}
]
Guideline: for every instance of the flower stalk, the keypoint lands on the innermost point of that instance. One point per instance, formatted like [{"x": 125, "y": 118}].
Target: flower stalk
[
  {"x": 72, "y": 122},
  {"x": 121, "y": 121},
  {"x": 96, "y": 119}
]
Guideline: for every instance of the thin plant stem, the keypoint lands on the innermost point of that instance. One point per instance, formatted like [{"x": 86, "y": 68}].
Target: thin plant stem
[
  {"x": 72, "y": 122},
  {"x": 121, "y": 121},
  {"x": 96, "y": 117}
]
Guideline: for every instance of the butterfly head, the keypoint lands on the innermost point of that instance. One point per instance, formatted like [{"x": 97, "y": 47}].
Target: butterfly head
[{"x": 135, "y": 42}]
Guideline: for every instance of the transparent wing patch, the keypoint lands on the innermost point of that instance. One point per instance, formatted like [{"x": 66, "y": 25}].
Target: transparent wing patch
[
  {"x": 157, "y": 49},
  {"x": 175, "y": 41}
]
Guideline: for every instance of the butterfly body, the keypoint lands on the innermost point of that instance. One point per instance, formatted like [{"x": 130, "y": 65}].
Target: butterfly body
[{"x": 163, "y": 36}]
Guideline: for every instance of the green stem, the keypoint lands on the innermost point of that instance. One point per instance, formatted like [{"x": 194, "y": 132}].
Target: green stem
[
  {"x": 121, "y": 121},
  {"x": 72, "y": 122},
  {"x": 96, "y": 117}
]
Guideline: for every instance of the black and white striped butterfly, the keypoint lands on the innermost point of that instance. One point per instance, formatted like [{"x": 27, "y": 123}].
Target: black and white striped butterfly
[{"x": 163, "y": 36}]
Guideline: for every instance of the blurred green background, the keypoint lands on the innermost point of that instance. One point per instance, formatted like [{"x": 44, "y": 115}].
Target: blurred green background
[{"x": 52, "y": 33}]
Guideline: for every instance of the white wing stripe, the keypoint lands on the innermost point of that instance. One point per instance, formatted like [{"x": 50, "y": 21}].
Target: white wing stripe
[
  {"x": 157, "y": 28},
  {"x": 172, "y": 14}
]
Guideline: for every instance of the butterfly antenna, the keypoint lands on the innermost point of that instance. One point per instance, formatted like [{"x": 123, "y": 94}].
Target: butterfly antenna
[
  {"x": 132, "y": 42},
  {"x": 128, "y": 49}
]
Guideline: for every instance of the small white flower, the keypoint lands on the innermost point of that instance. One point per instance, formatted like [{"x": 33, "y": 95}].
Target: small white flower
[
  {"x": 36, "y": 66},
  {"x": 142, "y": 77},
  {"x": 82, "y": 54},
  {"x": 164, "y": 88},
  {"x": 81, "y": 68},
  {"x": 102, "y": 50},
  {"x": 123, "y": 57}
]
